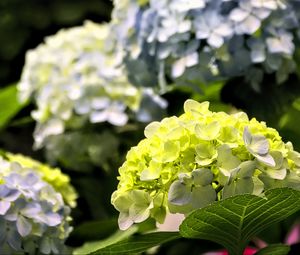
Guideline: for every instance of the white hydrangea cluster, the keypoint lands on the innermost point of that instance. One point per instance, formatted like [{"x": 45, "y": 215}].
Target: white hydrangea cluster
[
  {"x": 77, "y": 80},
  {"x": 33, "y": 216},
  {"x": 184, "y": 41},
  {"x": 73, "y": 82}
]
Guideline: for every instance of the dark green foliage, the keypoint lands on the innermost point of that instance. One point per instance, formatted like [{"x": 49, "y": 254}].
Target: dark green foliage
[
  {"x": 234, "y": 221},
  {"x": 274, "y": 249},
  {"x": 267, "y": 105},
  {"x": 24, "y": 24},
  {"x": 9, "y": 104}
]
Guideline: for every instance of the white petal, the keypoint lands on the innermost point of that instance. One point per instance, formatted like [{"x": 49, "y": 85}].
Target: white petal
[
  {"x": 250, "y": 24},
  {"x": 224, "y": 30},
  {"x": 178, "y": 68},
  {"x": 266, "y": 159},
  {"x": 262, "y": 13},
  {"x": 31, "y": 210},
  {"x": 53, "y": 219},
  {"x": 215, "y": 40},
  {"x": 258, "y": 56},
  {"x": 75, "y": 93},
  {"x": 172, "y": 222},
  {"x": 238, "y": 15},
  {"x": 98, "y": 116},
  {"x": 100, "y": 103},
  {"x": 184, "y": 26},
  {"x": 191, "y": 59},
  {"x": 82, "y": 107},
  {"x": 124, "y": 221},
  {"x": 270, "y": 5},
  {"x": 4, "y": 206},
  {"x": 117, "y": 118},
  {"x": 23, "y": 225},
  {"x": 278, "y": 174},
  {"x": 162, "y": 36}
]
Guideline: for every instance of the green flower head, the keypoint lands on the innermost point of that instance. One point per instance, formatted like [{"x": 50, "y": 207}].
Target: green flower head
[{"x": 187, "y": 162}]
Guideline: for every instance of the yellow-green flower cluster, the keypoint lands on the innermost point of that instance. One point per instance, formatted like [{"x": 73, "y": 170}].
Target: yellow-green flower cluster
[{"x": 189, "y": 161}]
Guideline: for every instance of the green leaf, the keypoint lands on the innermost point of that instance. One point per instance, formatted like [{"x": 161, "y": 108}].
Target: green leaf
[
  {"x": 94, "y": 230},
  {"x": 288, "y": 126},
  {"x": 274, "y": 249},
  {"x": 234, "y": 221},
  {"x": 296, "y": 104},
  {"x": 118, "y": 236},
  {"x": 137, "y": 244},
  {"x": 9, "y": 104}
]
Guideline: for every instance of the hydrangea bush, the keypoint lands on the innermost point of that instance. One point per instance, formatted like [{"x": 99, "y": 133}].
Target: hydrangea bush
[
  {"x": 35, "y": 206},
  {"x": 187, "y": 42},
  {"x": 77, "y": 80},
  {"x": 187, "y": 162}
]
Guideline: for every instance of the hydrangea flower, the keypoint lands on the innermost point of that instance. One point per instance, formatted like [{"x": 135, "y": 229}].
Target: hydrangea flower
[
  {"x": 77, "y": 80},
  {"x": 183, "y": 41},
  {"x": 78, "y": 149},
  {"x": 34, "y": 218},
  {"x": 187, "y": 162},
  {"x": 59, "y": 181}
]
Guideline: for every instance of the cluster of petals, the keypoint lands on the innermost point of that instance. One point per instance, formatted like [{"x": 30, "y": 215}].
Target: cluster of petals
[
  {"x": 34, "y": 216},
  {"x": 183, "y": 41},
  {"x": 77, "y": 81},
  {"x": 187, "y": 162}
]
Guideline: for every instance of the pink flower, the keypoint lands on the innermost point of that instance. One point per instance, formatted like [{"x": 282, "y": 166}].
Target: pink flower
[
  {"x": 294, "y": 235},
  {"x": 248, "y": 251}
]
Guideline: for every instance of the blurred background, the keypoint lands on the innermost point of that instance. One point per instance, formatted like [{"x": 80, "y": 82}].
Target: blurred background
[{"x": 25, "y": 24}]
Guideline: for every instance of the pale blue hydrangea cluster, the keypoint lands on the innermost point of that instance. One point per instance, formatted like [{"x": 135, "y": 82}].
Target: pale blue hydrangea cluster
[
  {"x": 33, "y": 216},
  {"x": 187, "y": 42},
  {"x": 77, "y": 79}
]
